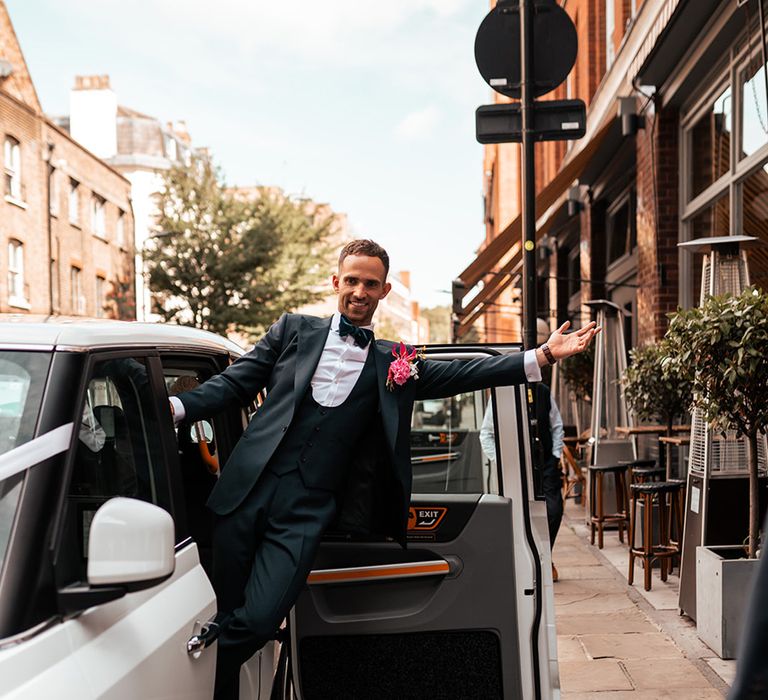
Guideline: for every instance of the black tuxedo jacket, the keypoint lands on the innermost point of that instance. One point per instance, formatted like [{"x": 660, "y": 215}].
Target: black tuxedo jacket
[{"x": 283, "y": 362}]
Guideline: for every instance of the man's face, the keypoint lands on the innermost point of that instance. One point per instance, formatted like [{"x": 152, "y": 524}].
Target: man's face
[{"x": 360, "y": 284}]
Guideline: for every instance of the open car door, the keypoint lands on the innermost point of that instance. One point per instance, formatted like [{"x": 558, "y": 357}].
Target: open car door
[{"x": 467, "y": 610}]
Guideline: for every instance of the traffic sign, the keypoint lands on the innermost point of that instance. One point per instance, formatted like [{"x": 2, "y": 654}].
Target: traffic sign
[
  {"x": 553, "y": 120},
  {"x": 497, "y": 48}
]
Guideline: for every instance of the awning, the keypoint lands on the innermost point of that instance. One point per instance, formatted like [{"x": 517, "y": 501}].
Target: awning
[{"x": 505, "y": 251}]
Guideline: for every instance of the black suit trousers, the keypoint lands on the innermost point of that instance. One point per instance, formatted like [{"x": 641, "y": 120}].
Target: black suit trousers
[{"x": 263, "y": 553}]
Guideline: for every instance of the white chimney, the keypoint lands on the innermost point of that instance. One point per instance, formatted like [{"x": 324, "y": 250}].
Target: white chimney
[{"x": 93, "y": 114}]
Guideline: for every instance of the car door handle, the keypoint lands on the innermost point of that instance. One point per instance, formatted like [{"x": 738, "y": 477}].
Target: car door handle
[
  {"x": 208, "y": 634},
  {"x": 381, "y": 572}
]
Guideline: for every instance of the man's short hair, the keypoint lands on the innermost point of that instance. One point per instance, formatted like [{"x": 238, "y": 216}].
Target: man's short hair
[{"x": 364, "y": 246}]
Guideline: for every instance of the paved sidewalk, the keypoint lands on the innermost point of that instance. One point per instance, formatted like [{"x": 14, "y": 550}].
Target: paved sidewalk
[{"x": 613, "y": 642}]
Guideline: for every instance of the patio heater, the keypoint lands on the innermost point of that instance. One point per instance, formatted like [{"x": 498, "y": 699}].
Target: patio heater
[
  {"x": 717, "y": 492},
  {"x": 609, "y": 409}
]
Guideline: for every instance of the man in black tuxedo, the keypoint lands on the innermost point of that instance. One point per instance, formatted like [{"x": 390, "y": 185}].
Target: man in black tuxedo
[{"x": 331, "y": 429}]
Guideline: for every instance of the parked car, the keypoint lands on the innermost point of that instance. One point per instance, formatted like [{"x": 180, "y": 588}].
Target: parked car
[{"x": 105, "y": 541}]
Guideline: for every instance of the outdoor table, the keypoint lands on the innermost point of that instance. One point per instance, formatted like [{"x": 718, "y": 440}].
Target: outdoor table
[
  {"x": 656, "y": 430},
  {"x": 679, "y": 440},
  {"x": 650, "y": 429},
  {"x": 675, "y": 440}
]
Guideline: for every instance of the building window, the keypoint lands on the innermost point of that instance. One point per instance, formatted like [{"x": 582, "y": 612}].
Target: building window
[
  {"x": 12, "y": 164},
  {"x": 76, "y": 290},
  {"x": 53, "y": 192},
  {"x": 101, "y": 298},
  {"x": 17, "y": 295},
  {"x": 98, "y": 226},
  {"x": 620, "y": 229},
  {"x": 74, "y": 202},
  {"x": 120, "y": 229},
  {"x": 725, "y": 160},
  {"x": 574, "y": 275}
]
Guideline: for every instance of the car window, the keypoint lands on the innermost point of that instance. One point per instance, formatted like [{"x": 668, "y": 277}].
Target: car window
[
  {"x": 200, "y": 458},
  {"x": 118, "y": 451},
  {"x": 446, "y": 453},
  {"x": 22, "y": 379}
]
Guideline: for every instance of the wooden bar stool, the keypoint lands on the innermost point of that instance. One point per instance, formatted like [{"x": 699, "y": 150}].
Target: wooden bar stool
[
  {"x": 598, "y": 519},
  {"x": 676, "y": 527},
  {"x": 666, "y": 548},
  {"x": 639, "y": 468},
  {"x": 644, "y": 475}
]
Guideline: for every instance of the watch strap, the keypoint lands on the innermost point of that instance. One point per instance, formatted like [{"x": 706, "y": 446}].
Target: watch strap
[{"x": 548, "y": 354}]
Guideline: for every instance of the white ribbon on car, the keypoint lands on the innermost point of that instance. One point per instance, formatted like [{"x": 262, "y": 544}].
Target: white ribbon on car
[{"x": 29, "y": 454}]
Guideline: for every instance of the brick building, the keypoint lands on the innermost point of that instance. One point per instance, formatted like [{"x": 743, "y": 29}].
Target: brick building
[
  {"x": 138, "y": 146},
  {"x": 66, "y": 223},
  {"x": 612, "y": 207}
]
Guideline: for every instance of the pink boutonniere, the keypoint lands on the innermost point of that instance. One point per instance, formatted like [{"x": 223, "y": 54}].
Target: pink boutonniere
[{"x": 404, "y": 366}]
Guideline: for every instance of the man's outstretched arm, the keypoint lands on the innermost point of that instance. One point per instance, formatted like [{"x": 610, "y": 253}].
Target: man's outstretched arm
[
  {"x": 239, "y": 384},
  {"x": 439, "y": 379}
]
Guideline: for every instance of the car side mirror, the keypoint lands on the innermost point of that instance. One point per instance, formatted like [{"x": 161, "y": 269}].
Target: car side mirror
[{"x": 130, "y": 548}]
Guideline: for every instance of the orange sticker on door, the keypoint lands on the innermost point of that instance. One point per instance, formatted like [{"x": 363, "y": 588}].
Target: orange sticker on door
[{"x": 425, "y": 519}]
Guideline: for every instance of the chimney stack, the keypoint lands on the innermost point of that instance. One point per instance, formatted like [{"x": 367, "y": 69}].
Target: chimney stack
[{"x": 93, "y": 114}]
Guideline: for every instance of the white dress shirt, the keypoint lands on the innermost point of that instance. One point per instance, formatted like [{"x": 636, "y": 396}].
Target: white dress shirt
[
  {"x": 488, "y": 437},
  {"x": 340, "y": 366}
]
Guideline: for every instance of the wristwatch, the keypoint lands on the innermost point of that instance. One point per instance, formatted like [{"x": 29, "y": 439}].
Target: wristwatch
[{"x": 548, "y": 354}]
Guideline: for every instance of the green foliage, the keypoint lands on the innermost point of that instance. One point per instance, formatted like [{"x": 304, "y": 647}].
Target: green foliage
[
  {"x": 577, "y": 372},
  {"x": 223, "y": 262},
  {"x": 722, "y": 349},
  {"x": 439, "y": 319},
  {"x": 656, "y": 389}
]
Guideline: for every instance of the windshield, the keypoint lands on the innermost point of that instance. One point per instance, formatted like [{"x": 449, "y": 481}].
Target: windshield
[{"x": 22, "y": 379}]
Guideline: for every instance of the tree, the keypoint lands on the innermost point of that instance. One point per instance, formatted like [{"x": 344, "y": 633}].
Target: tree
[
  {"x": 656, "y": 388},
  {"x": 722, "y": 347},
  {"x": 578, "y": 371},
  {"x": 223, "y": 262},
  {"x": 439, "y": 318}
]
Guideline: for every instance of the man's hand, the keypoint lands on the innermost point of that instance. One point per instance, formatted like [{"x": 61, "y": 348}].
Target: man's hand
[
  {"x": 563, "y": 345},
  {"x": 173, "y": 410}
]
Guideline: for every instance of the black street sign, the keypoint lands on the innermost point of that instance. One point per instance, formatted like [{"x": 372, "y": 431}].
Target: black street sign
[
  {"x": 554, "y": 46},
  {"x": 553, "y": 120}
]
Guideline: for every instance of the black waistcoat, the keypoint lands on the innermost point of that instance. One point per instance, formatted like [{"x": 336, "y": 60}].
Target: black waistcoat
[
  {"x": 543, "y": 406},
  {"x": 320, "y": 439}
]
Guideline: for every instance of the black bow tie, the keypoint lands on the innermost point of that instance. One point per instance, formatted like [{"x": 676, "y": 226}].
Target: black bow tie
[{"x": 361, "y": 336}]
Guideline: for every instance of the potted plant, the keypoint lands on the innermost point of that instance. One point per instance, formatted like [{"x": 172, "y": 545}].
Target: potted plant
[
  {"x": 655, "y": 386},
  {"x": 722, "y": 346}
]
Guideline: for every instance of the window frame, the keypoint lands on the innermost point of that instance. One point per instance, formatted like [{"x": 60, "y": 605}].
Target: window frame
[
  {"x": 101, "y": 296},
  {"x": 16, "y": 272},
  {"x": 73, "y": 196},
  {"x": 98, "y": 216},
  {"x": 12, "y": 168},
  {"x": 168, "y": 501},
  {"x": 626, "y": 197},
  {"x": 728, "y": 73},
  {"x": 77, "y": 301},
  {"x": 228, "y": 426}
]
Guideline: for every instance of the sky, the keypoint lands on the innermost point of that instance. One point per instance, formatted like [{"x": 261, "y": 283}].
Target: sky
[{"x": 368, "y": 106}]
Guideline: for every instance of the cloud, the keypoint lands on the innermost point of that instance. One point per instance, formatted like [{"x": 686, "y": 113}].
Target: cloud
[{"x": 417, "y": 125}]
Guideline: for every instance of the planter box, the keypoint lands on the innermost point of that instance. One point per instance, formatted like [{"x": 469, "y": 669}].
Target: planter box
[{"x": 723, "y": 587}]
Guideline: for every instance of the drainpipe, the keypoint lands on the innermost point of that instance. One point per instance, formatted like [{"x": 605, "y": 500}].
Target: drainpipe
[{"x": 48, "y": 158}]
